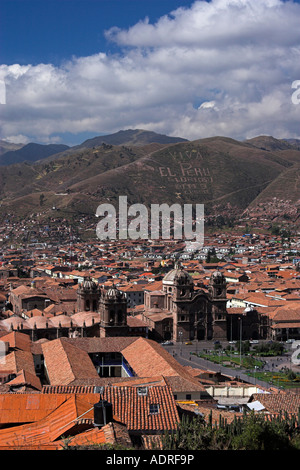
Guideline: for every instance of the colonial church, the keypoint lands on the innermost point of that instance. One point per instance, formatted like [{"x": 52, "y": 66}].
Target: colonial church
[
  {"x": 111, "y": 304},
  {"x": 178, "y": 312},
  {"x": 182, "y": 313}
]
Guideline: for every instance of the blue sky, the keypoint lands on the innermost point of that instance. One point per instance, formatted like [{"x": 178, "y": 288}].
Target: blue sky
[
  {"x": 35, "y": 31},
  {"x": 73, "y": 69}
]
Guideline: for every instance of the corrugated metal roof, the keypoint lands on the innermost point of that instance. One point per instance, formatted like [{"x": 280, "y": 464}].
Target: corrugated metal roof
[
  {"x": 49, "y": 416},
  {"x": 49, "y": 428}
]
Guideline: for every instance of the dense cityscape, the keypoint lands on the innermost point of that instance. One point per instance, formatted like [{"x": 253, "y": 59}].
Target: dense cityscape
[
  {"x": 213, "y": 332},
  {"x": 149, "y": 228}
]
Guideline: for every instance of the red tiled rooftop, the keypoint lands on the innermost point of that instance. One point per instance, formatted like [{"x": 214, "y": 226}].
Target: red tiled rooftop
[
  {"x": 279, "y": 402},
  {"x": 65, "y": 363},
  {"x": 18, "y": 360},
  {"x": 17, "y": 340},
  {"x": 50, "y": 416}
]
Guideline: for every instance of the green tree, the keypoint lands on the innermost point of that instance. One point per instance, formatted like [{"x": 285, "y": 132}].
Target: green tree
[
  {"x": 250, "y": 432},
  {"x": 258, "y": 433}
]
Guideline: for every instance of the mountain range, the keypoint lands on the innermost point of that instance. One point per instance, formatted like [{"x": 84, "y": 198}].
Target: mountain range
[
  {"x": 31, "y": 153},
  {"x": 11, "y": 153},
  {"x": 256, "y": 177}
]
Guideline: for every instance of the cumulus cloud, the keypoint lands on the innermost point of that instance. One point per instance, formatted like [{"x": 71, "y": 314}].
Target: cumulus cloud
[{"x": 223, "y": 67}]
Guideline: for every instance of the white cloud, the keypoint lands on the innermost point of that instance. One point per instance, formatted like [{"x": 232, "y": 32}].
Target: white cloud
[
  {"x": 223, "y": 67},
  {"x": 17, "y": 139},
  {"x": 2, "y": 92},
  {"x": 207, "y": 105}
]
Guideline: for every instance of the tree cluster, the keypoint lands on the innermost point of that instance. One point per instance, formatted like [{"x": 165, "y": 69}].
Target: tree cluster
[{"x": 251, "y": 431}]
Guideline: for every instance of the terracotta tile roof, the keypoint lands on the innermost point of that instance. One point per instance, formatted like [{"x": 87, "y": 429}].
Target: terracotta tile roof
[
  {"x": 13, "y": 323},
  {"x": 208, "y": 411},
  {"x": 113, "y": 344},
  {"x": 65, "y": 363},
  {"x": 112, "y": 433},
  {"x": 180, "y": 384},
  {"x": 133, "y": 409},
  {"x": 261, "y": 299},
  {"x": 134, "y": 322},
  {"x": 279, "y": 402},
  {"x": 286, "y": 313},
  {"x": 52, "y": 415},
  {"x": 34, "y": 313},
  {"x": 18, "y": 360},
  {"x": 39, "y": 322},
  {"x": 106, "y": 381},
  {"x": 89, "y": 318},
  {"x": 50, "y": 321},
  {"x": 154, "y": 286},
  {"x": 138, "y": 381},
  {"x": 27, "y": 379},
  {"x": 148, "y": 358},
  {"x": 17, "y": 340},
  {"x": 47, "y": 429},
  {"x": 133, "y": 288},
  {"x": 286, "y": 324}
]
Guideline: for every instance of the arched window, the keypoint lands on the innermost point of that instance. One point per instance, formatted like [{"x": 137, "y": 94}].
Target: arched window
[
  {"x": 112, "y": 316},
  {"x": 120, "y": 316}
]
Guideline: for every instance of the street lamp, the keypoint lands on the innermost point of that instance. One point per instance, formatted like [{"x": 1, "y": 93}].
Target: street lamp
[
  {"x": 255, "y": 367},
  {"x": 241, "y": 326}
]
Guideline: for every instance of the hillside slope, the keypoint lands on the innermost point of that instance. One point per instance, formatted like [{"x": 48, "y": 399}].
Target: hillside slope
[
  {"x": 131, "y": 137},
  {"x": 219, "y": 172},
  {"x": 31, "y": 152}
]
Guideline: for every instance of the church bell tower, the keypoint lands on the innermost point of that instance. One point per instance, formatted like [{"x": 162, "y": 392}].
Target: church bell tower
[
  {"x": 217, "y": 292},
  {"x": 113, "y": 313}
]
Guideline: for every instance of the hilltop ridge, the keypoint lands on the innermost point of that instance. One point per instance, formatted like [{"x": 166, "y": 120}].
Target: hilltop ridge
[{"x": 226, "y": 175}]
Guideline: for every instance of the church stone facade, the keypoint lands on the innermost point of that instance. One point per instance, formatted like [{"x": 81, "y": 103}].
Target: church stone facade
[
  {"x": 111, "y": 304},
  {"x": 178, "y": 312},
  {"x": 188, "y": 314}
]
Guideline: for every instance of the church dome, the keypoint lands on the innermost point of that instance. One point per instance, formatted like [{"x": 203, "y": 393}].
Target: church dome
[
  {"x": 88, "y": 284},
  {"x": 114, "y": 294},
  {"x": 177, "y": 276},
  {"x": 217, "y": 277}
]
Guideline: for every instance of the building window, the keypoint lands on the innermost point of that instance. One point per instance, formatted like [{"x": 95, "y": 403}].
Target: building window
[
  {"x": 188, "y": 396},
  {"x": 154, "y": 408},
  {"x": 142, "y": 391}
]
